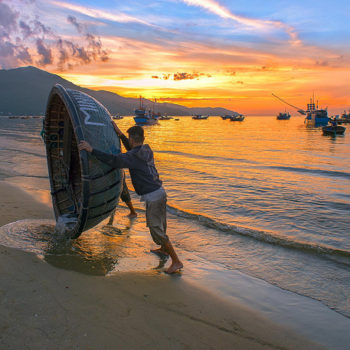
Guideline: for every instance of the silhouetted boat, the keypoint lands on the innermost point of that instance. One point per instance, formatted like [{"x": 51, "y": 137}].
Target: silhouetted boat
[
  {"x": 333, "y": 130},
  {"x": 165, "y": 117},
  {"x": 84, "y": 190},
  {"x": 344, "y": 118},
  {"x": 237, "y": 118},
  {"x": 283, "y": 116},
  {"x": 117, "y": 117},
  {"x": 227, "y": 116},
  {"x": 200, "y": 117}
]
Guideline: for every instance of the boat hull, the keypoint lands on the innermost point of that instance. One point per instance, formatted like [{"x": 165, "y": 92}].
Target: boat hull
[
  {"x": 200, "y": 117},
  {"x": 283, "y": 116},
  {"x": 237, "y": 119},
  {"x": 333, "y": 130},
  {"x": 84, "y": 190},
  {"x": 145, "y": 120}
]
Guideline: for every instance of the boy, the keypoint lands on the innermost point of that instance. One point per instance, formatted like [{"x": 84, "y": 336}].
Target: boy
[{"x": 145, "y": 179}]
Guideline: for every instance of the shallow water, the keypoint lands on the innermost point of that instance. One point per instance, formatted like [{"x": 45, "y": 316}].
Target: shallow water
[{"x": 266, "y": 197}]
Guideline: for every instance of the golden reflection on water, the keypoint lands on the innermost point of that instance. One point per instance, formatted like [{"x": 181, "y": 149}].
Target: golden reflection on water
[{"x": 245, "y": 173}]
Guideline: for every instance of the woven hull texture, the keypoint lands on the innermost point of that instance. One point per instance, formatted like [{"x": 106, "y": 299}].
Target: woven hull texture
[{"x": 84, "y": 190}]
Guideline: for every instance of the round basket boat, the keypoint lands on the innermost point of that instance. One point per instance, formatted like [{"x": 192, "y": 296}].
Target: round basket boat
[{"x": 84, "y": 190}]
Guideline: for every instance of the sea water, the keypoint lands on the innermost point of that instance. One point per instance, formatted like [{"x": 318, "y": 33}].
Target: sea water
[{"x": 266, "y": 198}]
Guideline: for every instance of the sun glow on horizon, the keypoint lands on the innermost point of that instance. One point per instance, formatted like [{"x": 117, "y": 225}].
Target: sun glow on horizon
[{"x": 192, "y": 52}]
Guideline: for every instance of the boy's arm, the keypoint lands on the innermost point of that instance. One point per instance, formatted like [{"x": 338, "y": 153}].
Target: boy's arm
[
  {"x": 122, "y": 160},
  {"x": 124, "y": 139}
]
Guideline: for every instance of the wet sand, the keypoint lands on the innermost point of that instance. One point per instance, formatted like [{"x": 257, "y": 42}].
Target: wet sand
[{"x": 43, "y": 307}]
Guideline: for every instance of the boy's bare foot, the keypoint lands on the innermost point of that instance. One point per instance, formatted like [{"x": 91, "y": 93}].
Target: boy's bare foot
[
  {"x": 174, "y": 267},
  {"x": 159, "y": 251}
]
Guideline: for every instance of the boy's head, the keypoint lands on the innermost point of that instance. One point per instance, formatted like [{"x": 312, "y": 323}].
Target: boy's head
[{"x": 136, "y": 135}]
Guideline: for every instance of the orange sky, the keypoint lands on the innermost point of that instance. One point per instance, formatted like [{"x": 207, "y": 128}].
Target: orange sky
[{"x": 191, "y": 52}]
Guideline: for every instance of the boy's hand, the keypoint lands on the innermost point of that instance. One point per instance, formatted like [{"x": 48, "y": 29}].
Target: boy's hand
[
  {"x": 83, "y": 145},
  {"x": 117, "y": 130}
]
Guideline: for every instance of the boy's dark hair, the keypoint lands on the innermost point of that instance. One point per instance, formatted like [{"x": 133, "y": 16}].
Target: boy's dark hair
[{"x": 136, "y": 133}]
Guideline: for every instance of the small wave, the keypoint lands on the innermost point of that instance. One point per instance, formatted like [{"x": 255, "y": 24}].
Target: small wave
[
  {"x": 263, "y": 236},
  {"x": 206, "y": 157},
  {"x": 326, "y": 173}
]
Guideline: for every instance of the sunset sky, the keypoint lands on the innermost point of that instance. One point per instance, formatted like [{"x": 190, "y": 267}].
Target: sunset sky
[{"x": 225, "y": 53}]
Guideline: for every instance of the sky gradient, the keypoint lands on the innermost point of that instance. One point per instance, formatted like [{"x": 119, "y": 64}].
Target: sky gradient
[{"x": 207, "y": 53}]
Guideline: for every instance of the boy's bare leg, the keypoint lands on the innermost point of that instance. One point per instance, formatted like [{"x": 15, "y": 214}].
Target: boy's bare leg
[
  {"x": 162, "y": 250},
  {"x": 132, "y": 213},
  {"x": 176, "y": 264},
  {"x": 111, "y": 218}
]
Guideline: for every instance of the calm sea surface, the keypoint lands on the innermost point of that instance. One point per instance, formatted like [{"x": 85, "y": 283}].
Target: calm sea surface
[{"x": 268, "y": 197}]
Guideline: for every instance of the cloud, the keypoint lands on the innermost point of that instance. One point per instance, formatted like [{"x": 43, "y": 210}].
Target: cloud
[
  {"x": 181, "y": 76},
  {"x": 78, "y": 26},
  {"x": 220, "y": 10},
  {"x": 44, "y": 52},
  {"x": 8, "y": 19},
  {"x": 94, "y": 13},
  {"x": 24, "y": 40}
]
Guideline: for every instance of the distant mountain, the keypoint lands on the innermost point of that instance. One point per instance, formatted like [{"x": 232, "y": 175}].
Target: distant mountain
[{"x": 24, "y": 91}]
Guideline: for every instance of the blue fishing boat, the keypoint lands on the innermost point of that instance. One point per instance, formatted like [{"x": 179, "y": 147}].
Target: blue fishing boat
[
  {"x": 316, "y": 116},
  {"x": 143, "y": 117}
]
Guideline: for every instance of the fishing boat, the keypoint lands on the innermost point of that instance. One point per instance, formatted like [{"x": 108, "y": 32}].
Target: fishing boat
[
  {"x": 333, "y": 130},
  {"x": 226, "y": 116},
  {"x": 344, "y": 118},
  {"x": 314, "y": 116},
  {"x": 165, "y": 117},
  {"x": 84, "y": 190},
  {"x": 117, "y": 117},
  {"x": 143, "y": 117},
  {"x": 237, "y": 118},
  {"x": 200, "y": 117},
  {"x": 283, "y": 116}
]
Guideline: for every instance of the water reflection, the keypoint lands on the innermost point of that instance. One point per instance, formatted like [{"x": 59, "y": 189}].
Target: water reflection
[{"x": 96, "y": 252}]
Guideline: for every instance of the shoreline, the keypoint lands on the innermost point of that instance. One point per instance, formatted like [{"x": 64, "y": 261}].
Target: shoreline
[
  {"x": 123, "y": 309},
  {"x": 54, "y": 308}
]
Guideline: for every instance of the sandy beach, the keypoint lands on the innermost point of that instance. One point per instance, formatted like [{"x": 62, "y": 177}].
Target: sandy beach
[{"x": 43, "y": 307}]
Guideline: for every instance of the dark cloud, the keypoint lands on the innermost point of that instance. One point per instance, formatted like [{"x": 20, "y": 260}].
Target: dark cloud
[
  {"x": 78, "y": 26},
  {"x": 181, "y": 76},
  {"x": 185, "y": 76},
  {"x": 230, "y": 72},
  {"x": 44, "y": 52},
  {"x": 8, "y": 18},
  {"x": 322, "y": 63},
  {"x": 26, "y": 30},
  {"x": 23, "y": 40}
]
